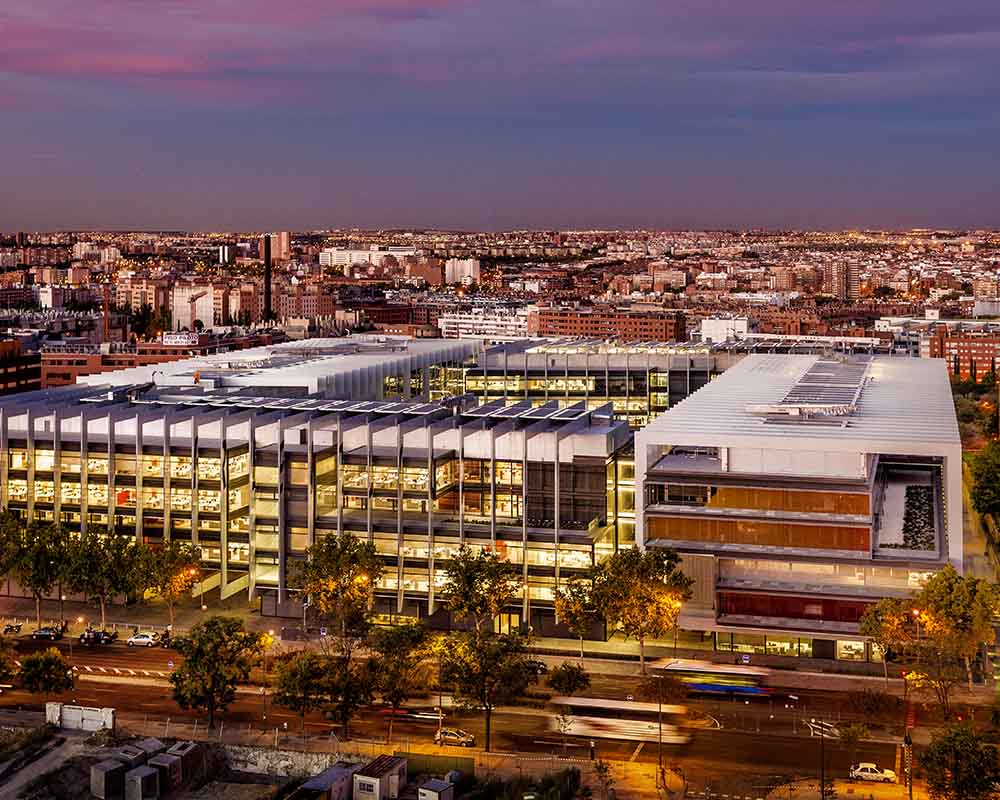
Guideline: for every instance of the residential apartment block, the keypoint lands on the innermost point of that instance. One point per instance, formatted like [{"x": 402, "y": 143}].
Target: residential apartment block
[{"x": 609, "y": 323}]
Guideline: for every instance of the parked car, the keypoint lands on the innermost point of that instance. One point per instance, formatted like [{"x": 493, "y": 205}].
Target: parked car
[
  {"x": 144, "y": 639},
  {"x": 48, "y": 633},
  {"x": 92, "y": 637},
  {"x": 537, "y": 667},
  {"x": 866, "y": 771},
  {"x": 455, "y": 736}
]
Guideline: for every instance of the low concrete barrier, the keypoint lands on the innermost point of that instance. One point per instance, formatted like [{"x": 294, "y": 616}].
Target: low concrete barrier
[{"x": 79, "y": 718}]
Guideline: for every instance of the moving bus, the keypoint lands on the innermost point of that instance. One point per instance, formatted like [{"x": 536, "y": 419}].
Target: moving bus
[
  {"x": 707, "y": 678},
  {"x": 594, "y": 717}
]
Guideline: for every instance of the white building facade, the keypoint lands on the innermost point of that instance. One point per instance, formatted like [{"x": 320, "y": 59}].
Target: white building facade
[{"x": 799, "y": 490}]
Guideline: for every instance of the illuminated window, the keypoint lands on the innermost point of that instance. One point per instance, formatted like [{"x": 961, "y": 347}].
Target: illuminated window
[
  {"x": 209, "y": 468},
  {"x": 45, "y": 460},
  {"x": 18, "y": 459},
  {"x": 239, "y": 466}
]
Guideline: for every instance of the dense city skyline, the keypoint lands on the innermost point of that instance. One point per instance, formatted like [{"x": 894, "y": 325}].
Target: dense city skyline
[{"x": 467, "y": 115}]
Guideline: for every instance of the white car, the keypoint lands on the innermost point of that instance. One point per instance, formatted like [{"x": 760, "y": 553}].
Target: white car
[
  {"x": 867, "y": 771},
  {"x": 146, "y": 639}
]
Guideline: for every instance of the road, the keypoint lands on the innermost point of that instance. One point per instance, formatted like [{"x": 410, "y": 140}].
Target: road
[{"x": 764, "y": 738}]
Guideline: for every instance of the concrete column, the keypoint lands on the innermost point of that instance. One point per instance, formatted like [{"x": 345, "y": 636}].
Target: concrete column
[
  {"x": 282, "y": 516},
  {"x": 430, "y": 519},
  {"x": 311, "y": 481},
  {"x": 84, "y": 468},
  {"x": 30, "y": 449},
  {"x": 524, "y": 526},
  {"x": 399, "y": 519},
  {"x": 340, "y": 480},
  {"x": 139, "y": 505},
  {"x": 111, "y": 472},
  {"x": 370, "y": 493},
  {"x": 195, "y": 537},
  {"x": 555, "y": 532},
  {"x": 461, "y": 483},
  {"x": 57, "y": 465},
  {"x": 493, "y": 486},
  {"x": 223, "y": 510},
  {"x": 5, "y": 454},
  {"x": 167, "y": 511},
  {"x": 252, "y": 525}
]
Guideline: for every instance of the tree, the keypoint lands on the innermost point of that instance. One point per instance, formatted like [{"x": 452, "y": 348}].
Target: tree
[
  {"x": 171, "y": 571},
  {"x": 479, "y": 585},
  {"x": 641, "y": 592},
  {"x": 37, "y": 559},
  {"x": 852, "y": 736},
  {"x": 103, "y": 566},
  {"x": 218, "y": 654},
  {"x": 602, "y": 771},
  {"x": 574, "y": 608},
  {"x": 568, "y": 679},
  {"x": 398, "y": 666},
  {"x": 7, "y": 665},
  {"x": 349, "y": 685},
  {"x": 46, "y": 672},
  {"x": 300, "y": 683},
  {"x": 960, "y": 765},
  {"x": 338, "y": 577},
  {"x": 956, "y": 615},
  {"x": 985, "y": 468},
  {"x": 887, "y": 624},
  {"x": 486, "y": 670}
]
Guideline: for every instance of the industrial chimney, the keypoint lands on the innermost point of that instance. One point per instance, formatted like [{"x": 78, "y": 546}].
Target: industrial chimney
[{"x": 266, "y": 255}]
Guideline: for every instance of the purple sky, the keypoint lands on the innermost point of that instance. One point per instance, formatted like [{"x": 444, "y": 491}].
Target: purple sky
[{"x": 502, "y": 113}]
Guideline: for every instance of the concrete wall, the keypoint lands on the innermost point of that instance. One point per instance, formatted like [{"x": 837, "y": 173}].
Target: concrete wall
[
  {"x": 79, "y": 718},
  {"x": 285, "y": 763}
]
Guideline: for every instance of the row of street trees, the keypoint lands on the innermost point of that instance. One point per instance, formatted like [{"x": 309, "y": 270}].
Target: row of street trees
[
  {"x": 44, "y": 557},
  {"x": 480, "y": 666},
  {"x": 638, "y": 592},
  {"x": 936, "y": 634}
]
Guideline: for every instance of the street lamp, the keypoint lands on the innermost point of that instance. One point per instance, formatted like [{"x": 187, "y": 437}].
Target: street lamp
[
  {"x": 659, "y": 731},
  {"x": 822, "y": 758}
]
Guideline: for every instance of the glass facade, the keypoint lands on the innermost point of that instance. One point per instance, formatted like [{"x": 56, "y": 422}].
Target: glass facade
[
  {"x": 252, "y": 506},
  {"x": 759, "y": 533}
]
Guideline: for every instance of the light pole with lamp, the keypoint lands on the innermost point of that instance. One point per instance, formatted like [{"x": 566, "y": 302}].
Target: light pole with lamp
[
  {"x": 822, "y": 757},
  {"x": 659, "y": 731}
]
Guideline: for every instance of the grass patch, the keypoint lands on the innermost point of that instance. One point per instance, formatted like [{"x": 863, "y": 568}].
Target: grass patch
[{"x": 26, "y": 742}]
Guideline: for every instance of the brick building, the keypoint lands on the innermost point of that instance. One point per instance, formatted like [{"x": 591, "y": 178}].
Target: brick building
[{"x": 607, "y": 323}]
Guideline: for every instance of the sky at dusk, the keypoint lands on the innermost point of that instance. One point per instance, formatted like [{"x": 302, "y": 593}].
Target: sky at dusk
[{"x": 263, "y": 114}]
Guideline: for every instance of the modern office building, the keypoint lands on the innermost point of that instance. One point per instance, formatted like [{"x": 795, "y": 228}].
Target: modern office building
[
  {"x": 253, "y": 480},
  {"x": 641, "y": 379},
  {"x": 361, "y": 367},
  {"x": 63, "y": 364},
  {"x": 799, "y": 489}
]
